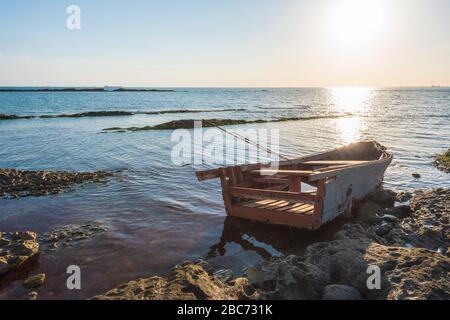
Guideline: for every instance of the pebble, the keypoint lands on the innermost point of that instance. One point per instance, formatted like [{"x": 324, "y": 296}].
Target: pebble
[
  {"x": 224, "y": 275},
  {"x": 383, "y": 229}
]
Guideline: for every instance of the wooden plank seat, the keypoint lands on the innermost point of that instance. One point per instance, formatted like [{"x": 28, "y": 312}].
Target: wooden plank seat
[{"x": 280, "y": 206}]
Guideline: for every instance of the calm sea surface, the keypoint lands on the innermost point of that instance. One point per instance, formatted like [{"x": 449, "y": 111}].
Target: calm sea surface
[{"x": 156, "y": 213}]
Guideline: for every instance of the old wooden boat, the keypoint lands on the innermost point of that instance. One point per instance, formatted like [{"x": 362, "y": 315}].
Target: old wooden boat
[{"x": 305, "y": 192}]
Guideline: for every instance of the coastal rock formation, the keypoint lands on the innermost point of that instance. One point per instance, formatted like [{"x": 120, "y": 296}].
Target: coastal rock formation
[
  {"x": 411, "y": 255},
  {"x": 16, "y": 249},
  {"x": 17, "y": 183},
  {"x": 207, "y": 123},
  {"x": 442, "y": 161},
  {"x": 189, "y": 281},
  {"x": 411, "y": 265},
  {"x": 427, "y": 225},
  {"x": 34, "y": 282},
  {"x": 69, "y": 235}
]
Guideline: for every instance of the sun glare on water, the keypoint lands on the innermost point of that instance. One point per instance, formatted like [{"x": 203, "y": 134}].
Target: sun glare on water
[
  {"x": 353, "y": 101},
  {"x": 356, "y": 23}
]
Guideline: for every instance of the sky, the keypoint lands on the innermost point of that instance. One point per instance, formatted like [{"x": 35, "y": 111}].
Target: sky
[{"x": 233, "y": 43}]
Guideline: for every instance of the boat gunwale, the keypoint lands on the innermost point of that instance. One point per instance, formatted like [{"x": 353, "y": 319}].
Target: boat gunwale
[{"x": 386, "y": 157}]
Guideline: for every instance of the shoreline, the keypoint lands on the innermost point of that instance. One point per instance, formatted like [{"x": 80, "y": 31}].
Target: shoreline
[
  {"x": 410, "y": 243},
  {"x": 335, "y": 269}
]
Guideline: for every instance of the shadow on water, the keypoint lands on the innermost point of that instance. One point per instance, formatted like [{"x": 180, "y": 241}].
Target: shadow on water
[{"x": 264, "y": 241}]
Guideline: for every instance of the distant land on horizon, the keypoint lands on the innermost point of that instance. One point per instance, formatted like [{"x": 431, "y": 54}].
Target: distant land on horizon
[
  {"x": 81, "y": 89},
  {"x": 173, "y": 89}
]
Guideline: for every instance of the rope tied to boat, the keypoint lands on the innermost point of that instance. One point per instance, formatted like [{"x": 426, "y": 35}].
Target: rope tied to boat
[{"x": 247, "y": 140}]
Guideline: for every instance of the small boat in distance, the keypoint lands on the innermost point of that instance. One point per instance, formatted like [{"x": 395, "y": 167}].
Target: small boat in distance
[{"x": 306, "y": 192}]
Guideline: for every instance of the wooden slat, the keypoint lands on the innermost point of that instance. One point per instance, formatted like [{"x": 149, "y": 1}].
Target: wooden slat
[
  {"x": 208, "y": 174},
  {"x": 270, "y": 194},
  {"x": 302, "y": 209},
  {"x": 295, "y": 184},
  {"x": 288, "y": 219},
  {"x": 255, "y": 204},
  {"x": 271, "y": 172},
  {"x": 272, "y": 205},
  {"x": 333, "y": 163},
  {"x": 270, "y": 180}
]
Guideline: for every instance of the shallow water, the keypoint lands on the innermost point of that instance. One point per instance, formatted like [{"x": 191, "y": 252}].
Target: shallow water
[{"x": 157, "y": 214}]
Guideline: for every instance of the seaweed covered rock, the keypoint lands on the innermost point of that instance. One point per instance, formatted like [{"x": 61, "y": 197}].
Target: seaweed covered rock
[
  {"x": 17, "y": 183},
  {"x": 442, "y": 161},
  {"x": 189, "y": 281},
  {"x": 68, "y": 235},
  {"x": 16, "y": 249}
]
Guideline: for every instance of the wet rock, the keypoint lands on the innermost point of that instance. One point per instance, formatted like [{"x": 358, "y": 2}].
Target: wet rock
[
  {"x": 404, "y": 196},
  {"x": 340, "y": 292},
  {"x": 16, "y": 184},
  {"x": 186, "y": 282},
  {"x": 442, "y": 161},
  {"x": 409, "y": 269},
  {"x": 16, "y": 249},
  {"x": 70, "y": 235},
  {"x": 401, "y": 212},
  {"x": 368, "y": 213},
  {"x": 383, "y": 196},
  {"x": 383, "y": 229},
  {"x": 32, "y": 295},
  {"x": 390, "y": 218},
  {"x": 406, "y": 273},
  {"x": 416, "y": 176},
  {"x": 428, "y": 222},
  {"x": 34, "y": 282},
  {"x": 224, "y": 275}
]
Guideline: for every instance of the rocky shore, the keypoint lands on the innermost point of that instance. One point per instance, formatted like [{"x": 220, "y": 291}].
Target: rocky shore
[
  {"x": 20, "y": 252},
  {"x": 17, "y": 183},
  {"x": 409, "y": 244},
  {"x": 16, "y": 249},
  {"x": 442, "y": 161},
  {"x": 207, "y": 123},
  {"x": 112, "y": 114}
]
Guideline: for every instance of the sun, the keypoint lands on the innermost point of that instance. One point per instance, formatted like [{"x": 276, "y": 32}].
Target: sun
[{"x": 356, "y": 23}]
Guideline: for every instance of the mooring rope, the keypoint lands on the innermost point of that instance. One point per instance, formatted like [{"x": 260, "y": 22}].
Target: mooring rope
[{"x": 247, "y": 140}]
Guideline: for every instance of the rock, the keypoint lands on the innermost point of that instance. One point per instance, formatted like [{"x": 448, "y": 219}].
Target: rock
[
  {"x": 4, "y": 266},
  {"x": 416, "y": 176},
  {"x": 34, "y": 282},
  {"x": 32, "y": 295},
  {"x": 442, "y": 161},
  {"x": 16, "y": 249},
  {"x": 341, "y": 292},
  {"x": 187, "y": 282},
  {"x": 383, "y": 229},
  {"x": 390, "y": 218},
  {"x": 411, "y": 264},
  {"x": 428, "y": 223},
  {"x": 368, "y": 213},
  {"x": 68, "y": 235},
  {"x": 27, "y": 235},
  {"x": 16, "y": 183},
  {"x": 401, "y": 212},
  {"x": 404, "y": 196},
  {"x": 25, "y": 248},
  {"x": 382, "y": 196},
  {"x": 224, "y": 275}
]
